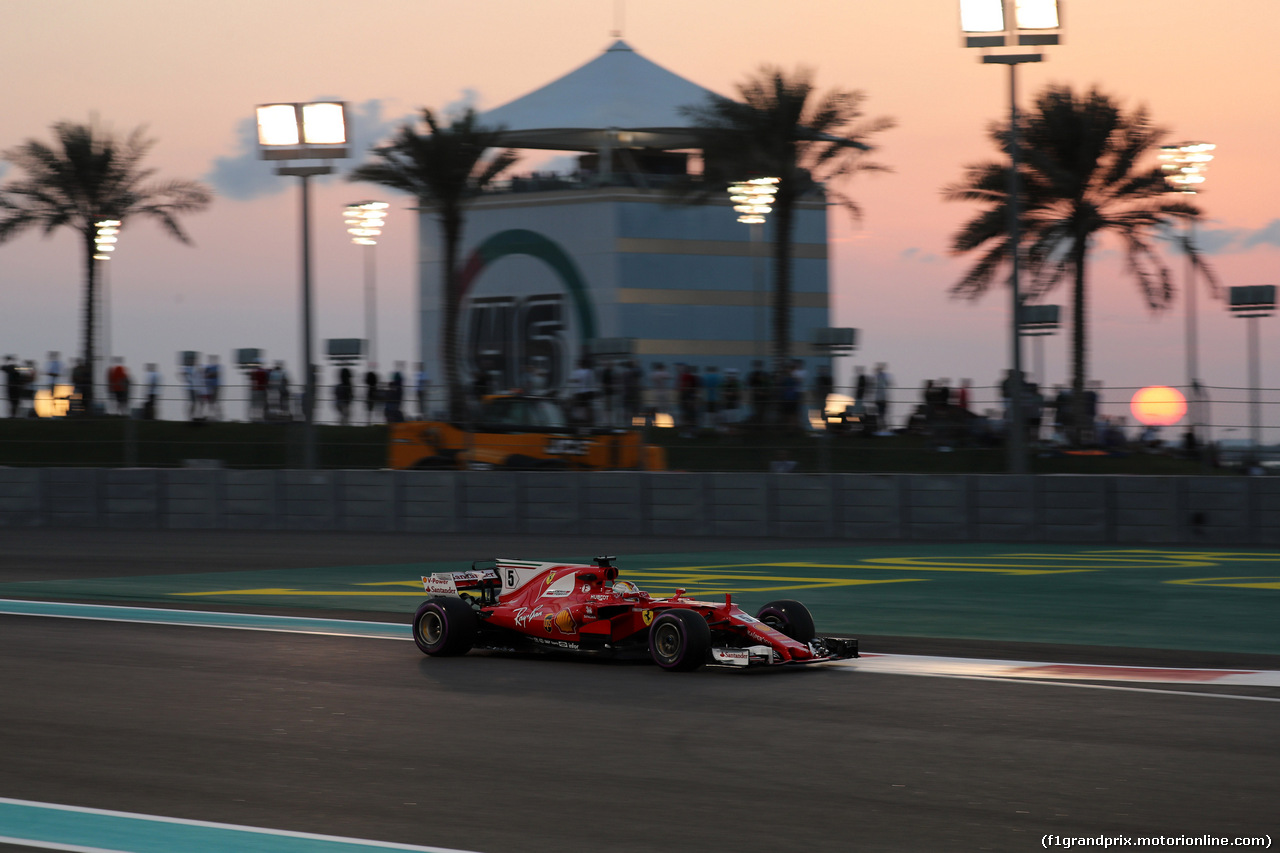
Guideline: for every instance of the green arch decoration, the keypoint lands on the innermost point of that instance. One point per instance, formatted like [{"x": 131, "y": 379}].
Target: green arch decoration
[{"x": 521, "y": 241}]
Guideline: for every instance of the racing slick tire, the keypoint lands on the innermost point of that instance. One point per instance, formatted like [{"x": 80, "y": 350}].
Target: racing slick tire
[
  {"x": 445, "y": 626},
  {"x": 790, "y": 617},
  {"x": 680, "y": 640}
]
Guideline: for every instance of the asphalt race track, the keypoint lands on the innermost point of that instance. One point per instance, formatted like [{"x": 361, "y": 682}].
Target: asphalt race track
[{"x": 366, "y": 738}]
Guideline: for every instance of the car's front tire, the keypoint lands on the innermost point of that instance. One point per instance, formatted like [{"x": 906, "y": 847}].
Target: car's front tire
[
  {"x": 790, "y": 617},
  {"x": 680, "y": 640},
  {"x": 444, "y": 627}
]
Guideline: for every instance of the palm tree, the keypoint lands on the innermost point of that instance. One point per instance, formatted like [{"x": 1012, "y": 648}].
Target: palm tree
[
  {"x": 90, "y": 174},
  {"x": 444, "y": 169},
  {"x": 781, "y": 128},
  {"x": 1081, "y": 177}
]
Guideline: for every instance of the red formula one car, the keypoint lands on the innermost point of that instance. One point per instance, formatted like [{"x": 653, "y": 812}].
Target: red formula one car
[{"x": 516, "y": 605}]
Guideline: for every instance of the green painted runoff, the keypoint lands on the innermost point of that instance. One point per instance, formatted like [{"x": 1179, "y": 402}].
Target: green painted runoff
[{"x": 1179, "y": 598}]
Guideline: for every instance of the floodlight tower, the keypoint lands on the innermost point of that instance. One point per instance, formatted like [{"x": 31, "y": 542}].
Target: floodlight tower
[
  {"x": 1004, "y": 29},
  {"x": 1184, "y": 166},
  {"x": 105, "y": 238},
  {"x": 304, "y": 131},
  {"x": 753, "y": 202},
  {"x": 364, "y": 221},
  {"x": 1252, "y": 302}
]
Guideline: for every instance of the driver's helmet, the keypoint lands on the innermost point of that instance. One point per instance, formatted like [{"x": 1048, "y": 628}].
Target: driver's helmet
[{"x": 625, "y": 588}]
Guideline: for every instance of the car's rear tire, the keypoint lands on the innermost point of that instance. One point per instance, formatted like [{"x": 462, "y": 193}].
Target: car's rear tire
[
  {"x": 445, "y": 626},
  {"x": 680, "y": 640},
  {"x": 790, "y": 617}
]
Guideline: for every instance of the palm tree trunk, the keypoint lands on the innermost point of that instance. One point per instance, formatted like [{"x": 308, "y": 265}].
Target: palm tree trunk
[
  {"x": 784, "y": 210},
  {"x": 451, "y": 232},
  {"x": 1079, "y": 429},
  {"x": 89, "y": 332}
]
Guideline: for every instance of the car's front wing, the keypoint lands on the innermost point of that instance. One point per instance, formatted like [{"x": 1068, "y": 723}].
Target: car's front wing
[{"x": 825, "y": 650}]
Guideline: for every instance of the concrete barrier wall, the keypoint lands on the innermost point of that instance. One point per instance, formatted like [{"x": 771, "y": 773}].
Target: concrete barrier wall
[
  {"x": 903, "y": 507},
  {"x": 1078, "y": 508},
  {"x": 1264, "y": 512},
  {"x": 1006, "y": 509},
  {"x": 21, "y": 500},
  {"x": 869, "y": 506}
]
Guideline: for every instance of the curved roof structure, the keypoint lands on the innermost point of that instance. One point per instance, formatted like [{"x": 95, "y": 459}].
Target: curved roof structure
[{"x": 617, "y": 99}]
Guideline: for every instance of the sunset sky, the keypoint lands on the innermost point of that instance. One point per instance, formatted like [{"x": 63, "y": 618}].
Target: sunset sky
[{"x": 193, "y": 71}]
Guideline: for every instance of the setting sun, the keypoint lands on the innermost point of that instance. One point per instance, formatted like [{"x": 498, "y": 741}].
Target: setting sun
[{"x": 1158, "y": 405}]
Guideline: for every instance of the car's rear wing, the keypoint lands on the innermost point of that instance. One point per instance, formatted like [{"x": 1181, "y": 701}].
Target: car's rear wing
[{"x": 482, "y": 585}]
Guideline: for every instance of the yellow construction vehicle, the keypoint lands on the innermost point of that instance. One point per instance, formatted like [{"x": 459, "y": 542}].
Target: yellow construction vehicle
[{"x": 517, "y": 432}]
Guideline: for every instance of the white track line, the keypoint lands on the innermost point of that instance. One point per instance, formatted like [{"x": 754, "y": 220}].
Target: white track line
[
  {"x": 1088, "y": 686},
  {"x": 1033, "y": 672},
  {"x": 1026, "y": 672},
  {"x": 131, "y": 831},
  {"x": 944, "y": 666}
]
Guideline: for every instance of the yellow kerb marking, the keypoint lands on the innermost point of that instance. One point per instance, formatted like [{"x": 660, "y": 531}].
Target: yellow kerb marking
[
  {"x": 698, "y": 589},
  {"x": 694, "y": 584},
  {"x": 1254, "y": 582},
  {"x": 756, "y": 577},
  {"x": 1203, "y": 555},
  {"x": 356, "y": 592},
  {"x": 923, "y": 564},
  {"x": 703, "y": 584}
]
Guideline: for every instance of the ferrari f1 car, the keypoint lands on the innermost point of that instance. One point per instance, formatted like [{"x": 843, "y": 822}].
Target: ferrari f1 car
[{"x": 515, "y": 605}]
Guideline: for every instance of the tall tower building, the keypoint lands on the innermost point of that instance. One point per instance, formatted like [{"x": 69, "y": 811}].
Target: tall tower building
[{"x": 600, "y": 256}]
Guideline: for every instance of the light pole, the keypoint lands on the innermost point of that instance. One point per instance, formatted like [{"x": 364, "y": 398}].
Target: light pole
[
  {"x": 1038, "y": 321},
  {"x": 1252, "y": 302},
  {"x": 1184, "y": 166},
  {"x": 364, "y": 221},
  {"x": 1004, "y": 28},
  {"x": 833, "y": 342},
  {"x": 304, "y": 131},
  {"x": 753, "y": 201},
  {"x": 104, "y": 243},
  {"x": 105, "y": 239}
]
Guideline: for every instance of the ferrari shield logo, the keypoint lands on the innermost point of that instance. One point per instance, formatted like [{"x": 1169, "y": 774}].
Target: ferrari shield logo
[{"x": 647, "y": 616}]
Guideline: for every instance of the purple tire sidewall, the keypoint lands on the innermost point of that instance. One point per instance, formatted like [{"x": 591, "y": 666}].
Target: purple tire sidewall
[
  {"x": 780, "y": 615},
  {"x": 444, "y": 625},
  {"x": 684, "y": 645}
]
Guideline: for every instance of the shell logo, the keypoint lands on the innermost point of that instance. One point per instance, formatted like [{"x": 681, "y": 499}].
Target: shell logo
[{"x": 562, "y": 621}]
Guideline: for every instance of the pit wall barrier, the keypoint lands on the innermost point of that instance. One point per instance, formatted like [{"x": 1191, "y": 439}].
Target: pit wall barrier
[{"x": 905, "y": 507}]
